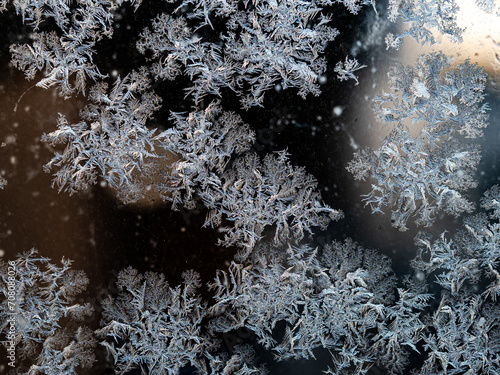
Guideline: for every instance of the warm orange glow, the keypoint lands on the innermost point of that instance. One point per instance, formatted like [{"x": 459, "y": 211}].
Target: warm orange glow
[{"x": 481, "y": 40}]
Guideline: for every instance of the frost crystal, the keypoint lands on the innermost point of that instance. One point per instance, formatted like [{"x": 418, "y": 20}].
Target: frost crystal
[
  {"x": 39, "y": 297},
  {"x": 424, "y": 174}
]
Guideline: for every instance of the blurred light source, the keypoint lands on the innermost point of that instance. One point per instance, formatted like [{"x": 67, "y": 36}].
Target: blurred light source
[{"x": 481, "y": 40}]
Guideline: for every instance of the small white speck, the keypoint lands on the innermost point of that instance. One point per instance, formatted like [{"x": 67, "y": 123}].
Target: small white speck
[
  {"x": 420, "y": 276},
  {"x": 10, "y": 139}
]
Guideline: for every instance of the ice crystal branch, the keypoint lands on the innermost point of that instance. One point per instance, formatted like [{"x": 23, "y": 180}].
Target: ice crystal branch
[
  {"x": 464, "y": 339},
  {"x": 62, "y": 61},
  {"x": 205, "y": 142},
  {"x": 420, "y": 17},
  {"x": 464, "y": 331},
  {"x": 66, "y": 54},
  {"x": 488, "y": 6},
  {"x": 421, "y": 175},
  {"x": 152, "y": 326},
  {"x": 112, "y": 141},
  {"x": 471, "y": 255},
  {"x": 345, "y": 70},
  {"x": 267, "y": 46},
  {"x": 251, "y": 194},
  {"x": 158, "y": 329},
  {"x": 255, "y": 194},
  {"x": 44, "y": 295},
  {"x": 342, "y": 301}
]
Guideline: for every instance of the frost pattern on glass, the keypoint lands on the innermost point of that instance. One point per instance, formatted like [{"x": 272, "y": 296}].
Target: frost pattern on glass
[
  {"x": 421, "y": 18},
  {"x": 464, "y": 332},
  {"x": 112, "y": 140},
  {"x": 157, "y": 329},
  {"x": 417, "y": 176},
  {"x": 343, "y": 300},
  {"x": 295, "y": 299},
  {"x": 44, "y": 301}
]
